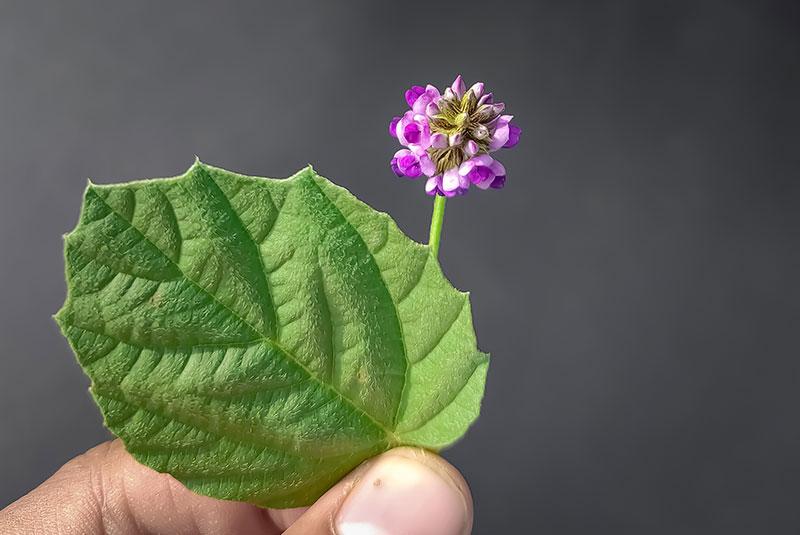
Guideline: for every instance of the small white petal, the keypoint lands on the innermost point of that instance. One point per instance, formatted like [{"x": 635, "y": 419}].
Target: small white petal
[{"x": 451, "y": 180}]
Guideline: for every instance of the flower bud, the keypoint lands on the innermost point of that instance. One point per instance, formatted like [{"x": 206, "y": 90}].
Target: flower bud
[
  {"x": 477, "y": 89},
  {"x": 480, "y": 132},
  {"x": 458, "y": 86},
  {"x": 488, "y": 98},
  {"x": 498, "y": 108},
  {"x": 439, "y": 140}
]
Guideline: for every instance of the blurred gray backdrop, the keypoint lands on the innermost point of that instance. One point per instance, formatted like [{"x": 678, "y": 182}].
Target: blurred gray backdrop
[{"x": 636, "y": 282}]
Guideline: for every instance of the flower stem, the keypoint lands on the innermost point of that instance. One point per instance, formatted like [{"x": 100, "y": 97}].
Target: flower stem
[{"x": 436, "y": 224}]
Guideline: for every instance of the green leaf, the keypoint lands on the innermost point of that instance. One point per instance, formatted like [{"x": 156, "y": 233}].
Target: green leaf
[{"x": 259, "y": 338}]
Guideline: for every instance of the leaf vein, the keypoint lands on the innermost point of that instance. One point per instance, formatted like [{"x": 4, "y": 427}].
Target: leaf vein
[{"x": 289, "y": 357}]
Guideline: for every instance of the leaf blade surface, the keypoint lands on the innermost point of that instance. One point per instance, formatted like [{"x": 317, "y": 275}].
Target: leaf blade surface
[{"x": 258, "y": 338}]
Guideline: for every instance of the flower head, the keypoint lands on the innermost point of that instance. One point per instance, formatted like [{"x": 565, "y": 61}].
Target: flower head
[{"x": 448, "y": 137}]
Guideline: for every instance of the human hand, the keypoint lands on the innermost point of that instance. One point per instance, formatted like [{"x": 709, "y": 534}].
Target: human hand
[{"x": 404, "y": 491}]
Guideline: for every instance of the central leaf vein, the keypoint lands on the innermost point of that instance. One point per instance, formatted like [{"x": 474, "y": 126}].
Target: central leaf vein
[{"x": 263, "y": 337}]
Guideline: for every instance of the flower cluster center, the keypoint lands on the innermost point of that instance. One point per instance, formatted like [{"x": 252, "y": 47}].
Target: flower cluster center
[{"x": 463, "y": 120}]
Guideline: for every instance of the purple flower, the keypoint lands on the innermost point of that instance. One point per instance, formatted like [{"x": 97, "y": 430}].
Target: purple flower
[
  {"x": 453, "y": 181},
  {"x": 448, "y": 137},
  {"x": 514, "y": 132},
  {"x": 413, "y": 93},
  {"x": 458, "y": 87},
  {"x": 477, "y": 89},
  {"x": 501, "y": 133},
  {"x": 498, "y": 182},
  {"x": 434, "y": 186},
  {"x": 432, "y": 109},
  {"x": 483, "y": 171},
  {"x": 393, "y": 126},
  {"x": 439, "y": 140},
  {"x": 420, "y": 98},
  {"x": 413, "y": 131},
  {"x": 409, "y": 164}
]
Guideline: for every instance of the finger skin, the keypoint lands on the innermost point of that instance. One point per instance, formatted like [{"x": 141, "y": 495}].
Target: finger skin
[
  {"x": 106, "y": 491},
  {"x": 320, "y": 519},
  {"x": 283, "y": 518}
]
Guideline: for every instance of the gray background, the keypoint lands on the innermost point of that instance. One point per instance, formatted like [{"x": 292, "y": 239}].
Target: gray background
[{"x": 636, "y": 281}]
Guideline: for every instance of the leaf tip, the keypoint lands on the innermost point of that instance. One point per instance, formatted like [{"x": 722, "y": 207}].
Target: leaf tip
[
  {"x": 303, "y": 173},
  {"x": 196, "y": 164},
  {"x": 59, "y": 318},
  {"x": 308, "y": 171}
]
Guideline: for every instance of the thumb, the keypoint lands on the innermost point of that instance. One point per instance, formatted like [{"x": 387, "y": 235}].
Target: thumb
[{"x": 405, "y": 491}]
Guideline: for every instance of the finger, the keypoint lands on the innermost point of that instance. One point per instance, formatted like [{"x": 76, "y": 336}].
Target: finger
[
  {"x": 283, "y": 518},
  {"x": 106, "y": 491},
  {"x": 406, "y": 490}
]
